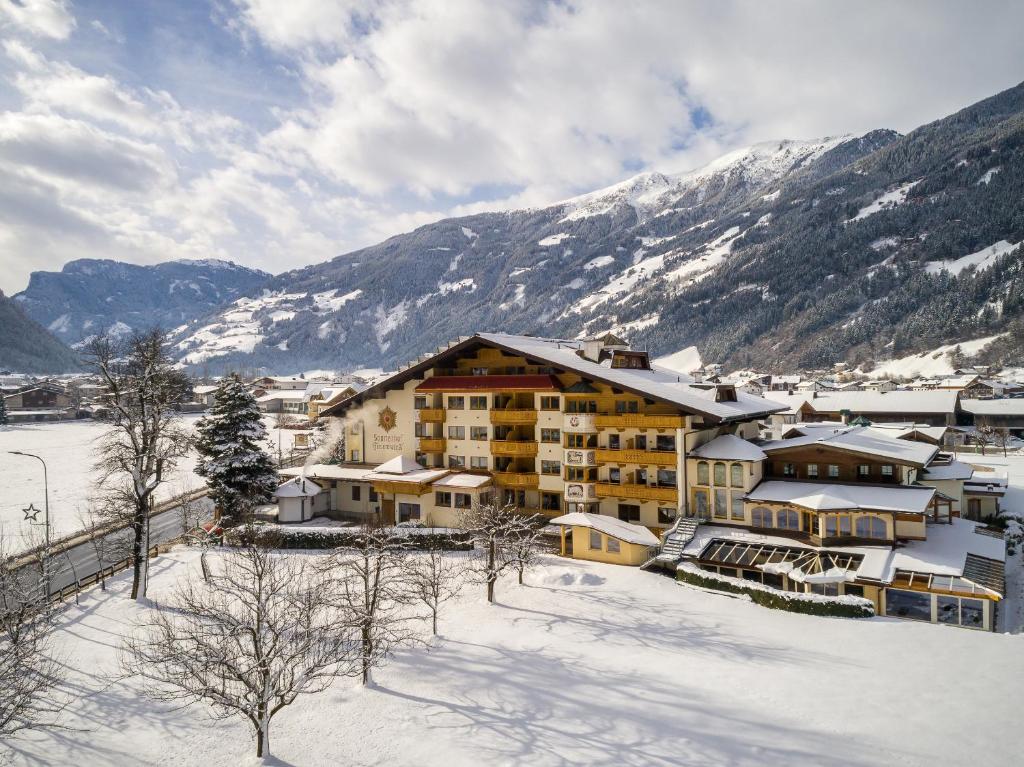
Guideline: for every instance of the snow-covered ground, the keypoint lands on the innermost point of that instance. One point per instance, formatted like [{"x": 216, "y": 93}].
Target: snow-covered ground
[
  {"x": 585, "y": 664},
  {"x": 931, "y": 364},
  {"x": 69, "y": 449}
]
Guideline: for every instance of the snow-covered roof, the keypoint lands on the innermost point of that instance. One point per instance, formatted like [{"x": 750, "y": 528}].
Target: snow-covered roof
[
  {"x": 296, "y": 394},
  {"x": 327, "y": 471},
  {"x": 200, "y": 390},
  {"x": 951, "y": 470},
  {"x": 401, "y": 468},
  {"x": 463, "y": 480},
  {"x": 862, "y": 440},
  {"x": 1008, "y": 406},
  {"x": 616, "y": 528},
  {"x": 834, "y": 497},
  {"x": 729, "y": 447},
  {"x": 299, "y": 487},
  {"x": 930, "y": 402}
]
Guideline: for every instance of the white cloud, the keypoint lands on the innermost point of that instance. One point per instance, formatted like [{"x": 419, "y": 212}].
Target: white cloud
[{"x": 41, "y": 18}]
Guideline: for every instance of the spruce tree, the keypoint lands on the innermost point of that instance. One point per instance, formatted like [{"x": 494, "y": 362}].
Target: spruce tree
[
  {"x": 3, "y": 411},
  {"x": 239, "y": 472}
]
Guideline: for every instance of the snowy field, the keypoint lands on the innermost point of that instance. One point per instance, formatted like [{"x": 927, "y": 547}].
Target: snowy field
[
  {"x": 585, "y": 664},
  {"x": 69, "y": 449}
]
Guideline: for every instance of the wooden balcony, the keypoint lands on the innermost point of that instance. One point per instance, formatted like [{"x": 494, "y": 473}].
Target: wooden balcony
[
  {"x": 516, "y": 479},
  {"x": 431, "y": 414},
  {"x": 641, "y": 457},
  {"x": 639, "y": 492},
  {"x": 513, "y": 449},
  {"x": 432, "y": 444},
  {"x": 639, "y": 421},
  {"x": 513, "y": 417}
]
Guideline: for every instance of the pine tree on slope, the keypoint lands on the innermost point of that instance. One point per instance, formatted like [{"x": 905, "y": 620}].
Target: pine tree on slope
[{"x": 239, "y": 472}]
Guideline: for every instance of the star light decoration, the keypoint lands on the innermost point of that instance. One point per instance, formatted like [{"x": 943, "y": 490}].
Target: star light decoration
[{"x": 32, "y": 514}]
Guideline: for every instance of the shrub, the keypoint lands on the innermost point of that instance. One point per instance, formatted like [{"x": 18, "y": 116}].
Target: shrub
[
  {"x": 341, "y": 537},
  {"x": 809, "y": 604}
]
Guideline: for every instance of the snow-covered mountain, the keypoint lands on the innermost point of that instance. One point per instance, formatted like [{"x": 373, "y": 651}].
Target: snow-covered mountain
[{"x": 89, "y": 296}]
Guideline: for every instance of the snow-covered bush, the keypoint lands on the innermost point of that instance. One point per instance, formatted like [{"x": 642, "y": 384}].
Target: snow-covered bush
[
  {"x": 343, "y": 537},
  {"x": 796, "y": 602}
]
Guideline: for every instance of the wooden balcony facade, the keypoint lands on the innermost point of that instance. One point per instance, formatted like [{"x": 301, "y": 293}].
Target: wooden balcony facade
[
  {"x": 639, "y": 421},
  {"x": 431, "y": 415},
  {"x": 637, "y": 492},
  {"x": 528, "y": 480},
  {"x": 432, "y": 444},
  {"x": 510, "y": 417},
  {"x": 641, "y": 457},
  {"x": 513, "y": 449}
]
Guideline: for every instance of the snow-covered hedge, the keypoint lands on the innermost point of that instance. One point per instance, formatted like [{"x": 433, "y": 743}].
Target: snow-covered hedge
[
  {"x": 324, "y": 537},
  {"x": 795, "y": 602}
]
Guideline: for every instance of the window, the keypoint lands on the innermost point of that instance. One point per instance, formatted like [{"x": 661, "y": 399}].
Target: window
[
  {"x": 825, "y": 589},
  {"x": 833, "y": 470},
  {"x": 456, "y": 403},
  {"x": 551, "y": 501},
  {"x": 550, "y": 435},
  {"x": 812, "y": 471},
  {"x": 721, "y": 504},
  {"x": 373, "y": 495},
  {"x": 418, "y": 429},
  {"x": 581, "y": 406},
  {"x": 844, "y": 525},
  {"x": 761, "y": 517},
  {"x": 612, "y": 545},
  {"x": 595, "y": 540},
  {"x": 613, "y": 442},
  {"x": 478, "y": 403},
  {"x": 719, "y": 473},
  {"x": 550, "y": 403},
  {"x": 355, "y": 456},
  {"x": 908, "y": 604},
  {"x": 478, "y": 462},
  {"x": 788, "y": 470},
  {"x": 629, "y": 513},
  {"x": 550, "y": 467},
  {"x": 456, "y": 432},
  {"x": 478, "y": 371},
  {"x": 870, "y": 527},
  {"x": 863, "y": 470},
  {"x": 442, "y": 499},
  {"x": 614, "y": 476},
  {"x": 641, "y": 441},
  {"x": 456, "y": 462},
  {"x": 666, "y": 515},
  {"x": 736, "y": 505},
  {"x": 736, "y": 475},
  {"x": 356, "y": 492},
  {"x": 830, "y": 527},
  {"x": 887, "y": 471},
  {"x": 408, "y": 512},
  {"x": 574, "y": 440},
  {"x": 852, "y": 590},
  {"x": 700, "y": 503},
  {"x": 665, "y": 443},
  {"x": 627, "y": 406},
  {"x": 577, "y": 473},
  {"x": 787, "y": 519},
  {"x": 666, "y": 478},
  {"x": 463, "y": 500},
  {"x": 419, "y": 402},
  {"x": 477, "y": 432},
  {"x": 702, "y": 473}
]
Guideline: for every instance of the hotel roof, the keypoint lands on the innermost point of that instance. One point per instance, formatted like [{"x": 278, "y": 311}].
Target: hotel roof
[
  {"x": 861, "y": 440},
  {"x": 616, "y": 528},
  {"x": 835, "y": 497},
  {"x": 930, "y": 402}
]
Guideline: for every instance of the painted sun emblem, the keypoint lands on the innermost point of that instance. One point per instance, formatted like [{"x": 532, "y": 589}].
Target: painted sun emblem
[{"x": 387, "y": 419}]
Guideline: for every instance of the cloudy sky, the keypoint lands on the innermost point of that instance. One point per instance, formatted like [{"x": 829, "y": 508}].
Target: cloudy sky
[{"x": 277, "y": 134}]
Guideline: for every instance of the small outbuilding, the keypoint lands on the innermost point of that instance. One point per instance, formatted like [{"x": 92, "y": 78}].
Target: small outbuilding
[
  {"x": 299, "y": 499},
  {"x": 600, "y": 538}
]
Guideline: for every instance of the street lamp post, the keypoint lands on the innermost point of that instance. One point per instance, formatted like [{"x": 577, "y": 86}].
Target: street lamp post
[{"x": 46, "y": 513}]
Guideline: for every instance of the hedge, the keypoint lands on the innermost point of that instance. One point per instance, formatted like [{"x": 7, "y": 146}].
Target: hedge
[
  {"x": 343, "y": 537},
  {"x": 808, "y": 604}
]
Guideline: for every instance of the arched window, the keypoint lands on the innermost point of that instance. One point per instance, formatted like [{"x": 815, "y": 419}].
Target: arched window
[
  {"x": 870, "y": 527},
  {"x": 787, "y": 519},
  {"x": 702, "y": 473},
  {"x": 736, "y": 475},
  {"x": 720, "y": 474},
  {"x": 761, "y": 517}
]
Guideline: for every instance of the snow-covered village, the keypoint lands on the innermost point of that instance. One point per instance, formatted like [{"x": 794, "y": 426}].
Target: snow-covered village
[{"x": 408, "y": 382}]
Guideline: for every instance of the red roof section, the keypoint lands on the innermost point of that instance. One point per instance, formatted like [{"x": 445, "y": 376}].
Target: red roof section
[{"x": 491, "y": 383}]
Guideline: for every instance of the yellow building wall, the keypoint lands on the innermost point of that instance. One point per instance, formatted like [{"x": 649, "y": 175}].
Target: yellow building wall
[{"x": 628, "y": 554}]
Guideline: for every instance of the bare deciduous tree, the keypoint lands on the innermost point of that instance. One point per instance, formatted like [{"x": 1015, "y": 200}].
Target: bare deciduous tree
[
  {"x": 1001, "y": 437},
  {"x": 109, "y": 544},
  {"x": 373, "y": 593},
  {"x": 139, "y": 451},
  {"x": 495, "y": 531},
  {"x": 523, "y": 550},
  {"x": 435, "y": 577},
  {"x": 29, "y": 675},
  {"x": 984, "y": 435},
  {"x": 262, "y": 631}
]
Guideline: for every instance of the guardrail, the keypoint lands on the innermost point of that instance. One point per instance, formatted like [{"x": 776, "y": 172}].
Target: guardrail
[{"x": 98, "y": 577}]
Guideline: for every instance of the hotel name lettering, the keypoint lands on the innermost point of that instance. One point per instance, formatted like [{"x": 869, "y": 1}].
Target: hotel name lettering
[{"x": 388, "y": 443}]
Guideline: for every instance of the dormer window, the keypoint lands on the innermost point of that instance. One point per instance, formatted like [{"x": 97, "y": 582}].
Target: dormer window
[{"x": 725, "y": 393}]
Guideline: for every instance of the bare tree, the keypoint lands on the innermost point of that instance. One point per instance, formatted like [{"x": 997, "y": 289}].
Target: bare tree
[
  {"x": 109, "y": 543},
  {"x": 30, "y": 677},
  {"x": 145, "y": 439},
  {"x": 435, "y": 577},
  {"x": 523, "y": 550},
  {"x": 262, "y": 631},
  {"x": 1001, "y": 437},
  {"x": 984, "y": 435},
  {"x": 495, "y": 531},
  {"x": 373, "y": 593}
]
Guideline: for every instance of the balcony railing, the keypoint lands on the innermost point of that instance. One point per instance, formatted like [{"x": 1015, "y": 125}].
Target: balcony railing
[
  {"x": 513, "y": 449},
  {"x": 432, "y": 444},
  {"x": 639, "y": 421},
  {"x": 642, "y": 457},
  {"x": 431, "y": 414},
  {"x": 640, "y": 492},
  {"x": 513, "y": 417},
  {"x": 517, "y": 479}
]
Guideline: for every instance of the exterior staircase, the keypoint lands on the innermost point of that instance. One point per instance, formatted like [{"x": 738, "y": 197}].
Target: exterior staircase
[{"x": 674, "y": 542}]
